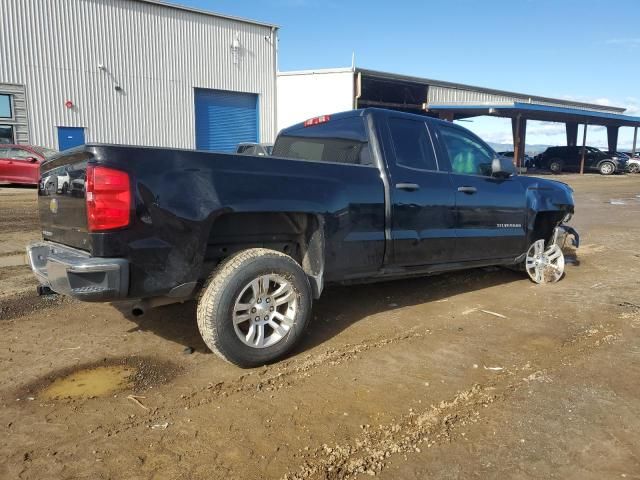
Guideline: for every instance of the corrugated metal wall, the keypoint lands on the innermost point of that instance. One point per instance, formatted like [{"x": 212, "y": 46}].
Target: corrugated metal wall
[
  {"x": 439, "y": 95},
  {"x": 156, "y": 54}
]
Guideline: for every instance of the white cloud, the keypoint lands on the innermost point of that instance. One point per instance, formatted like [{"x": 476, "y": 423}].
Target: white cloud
[
  {"x": 633, "y": 42},
  {"x": 545, "y": 128},
  {"x": 633, "y": 109},
  {"x": 602, "y": 101}
]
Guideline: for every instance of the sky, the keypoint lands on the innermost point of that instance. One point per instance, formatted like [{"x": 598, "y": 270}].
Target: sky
[{"x": 586, "y": 50}]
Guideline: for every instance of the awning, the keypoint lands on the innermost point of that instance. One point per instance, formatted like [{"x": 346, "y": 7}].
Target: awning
[{"x": 532, "y": 111}]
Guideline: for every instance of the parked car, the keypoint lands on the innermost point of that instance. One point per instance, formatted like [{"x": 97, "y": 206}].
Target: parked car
[
  {"x": 527, "y": 161},
  {"x": 559, "y": 159},
  {"x": 260, "y": 149},
  {"x": 365, "y": 195},
  {"x": 19, "y": 164},
  {"x": 634, "y": 159},
  {"x": 633, "y": 164}
]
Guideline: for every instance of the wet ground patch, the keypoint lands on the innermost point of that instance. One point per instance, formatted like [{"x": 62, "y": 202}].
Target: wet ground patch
[
  {"x": 29, "y": 302},
  {"x": 105, "y": 377}
]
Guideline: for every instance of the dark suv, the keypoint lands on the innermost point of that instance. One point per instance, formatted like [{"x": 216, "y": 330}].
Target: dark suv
[{"x": 558, "y": 159}]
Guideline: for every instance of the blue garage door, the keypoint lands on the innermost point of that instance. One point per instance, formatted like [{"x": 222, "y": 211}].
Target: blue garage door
[
  {"x": 69, "y": 137},
  {"x": 225, "y": 119}
]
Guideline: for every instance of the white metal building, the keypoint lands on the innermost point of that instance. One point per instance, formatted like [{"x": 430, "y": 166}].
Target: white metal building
[
  {"x": 140, "y": 72},
  {"x": 310, "y": 93}
]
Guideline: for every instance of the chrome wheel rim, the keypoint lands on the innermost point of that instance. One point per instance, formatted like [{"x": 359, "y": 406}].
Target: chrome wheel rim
[
  {"x": 607, "y": 168},
  {"x": 265, "y": 311},
  {"x": 544, "y": 266}
]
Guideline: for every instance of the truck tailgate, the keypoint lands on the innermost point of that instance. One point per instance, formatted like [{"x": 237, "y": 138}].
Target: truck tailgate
[{"x": 61, "y": 199}]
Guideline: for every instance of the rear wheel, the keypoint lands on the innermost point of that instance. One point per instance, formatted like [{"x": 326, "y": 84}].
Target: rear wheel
[
  {"x": 254, "y": 307},
  {"x": 555, "y": 165},
  {"x": 607, "y": 168}
]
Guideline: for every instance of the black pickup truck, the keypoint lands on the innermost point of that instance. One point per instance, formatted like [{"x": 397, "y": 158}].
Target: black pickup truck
[{"x": 357, "y": 196}]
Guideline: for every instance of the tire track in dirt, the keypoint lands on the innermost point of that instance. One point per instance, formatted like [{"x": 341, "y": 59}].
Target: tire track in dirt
[
  {"x": 371, "y": 452},
  {"x": 286, "y": 373},
  {"x": 283, "y": 375}
]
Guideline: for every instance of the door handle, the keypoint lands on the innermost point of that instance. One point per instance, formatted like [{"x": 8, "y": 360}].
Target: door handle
[
  {"x": 468, "y": 190},
  {"x": 409, "y": 187}
]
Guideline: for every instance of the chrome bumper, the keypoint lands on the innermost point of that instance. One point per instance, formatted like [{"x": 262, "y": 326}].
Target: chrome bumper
[{"x": 76, "y": 273}]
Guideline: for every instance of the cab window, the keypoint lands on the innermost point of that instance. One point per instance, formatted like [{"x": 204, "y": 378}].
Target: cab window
[
  {"x": 466, "y": 153},
  {"x": 340, "y": 141}
]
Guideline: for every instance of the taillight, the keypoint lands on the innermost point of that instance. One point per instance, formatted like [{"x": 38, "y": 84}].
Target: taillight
[{"x": 108, "y": 195}]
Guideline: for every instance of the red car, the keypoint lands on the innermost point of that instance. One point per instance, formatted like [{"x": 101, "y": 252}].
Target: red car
[{"x": 21, "y": 163}]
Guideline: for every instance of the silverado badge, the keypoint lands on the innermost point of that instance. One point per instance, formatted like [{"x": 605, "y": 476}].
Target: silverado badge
[{"x": 53, "y": 205}]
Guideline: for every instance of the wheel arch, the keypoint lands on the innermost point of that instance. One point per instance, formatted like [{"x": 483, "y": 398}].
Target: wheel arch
[
  {"x": 544, "y": 223},
  {"x": 299, "y": 235}
]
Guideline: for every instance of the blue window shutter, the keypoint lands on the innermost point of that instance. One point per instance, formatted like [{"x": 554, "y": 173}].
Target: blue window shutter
[{"x": 225, "y": 119}]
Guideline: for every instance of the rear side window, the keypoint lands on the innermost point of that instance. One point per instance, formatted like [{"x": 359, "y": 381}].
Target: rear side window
[
  {"x": 412, "y": 144},
  {"x": 341, "y": 141}
]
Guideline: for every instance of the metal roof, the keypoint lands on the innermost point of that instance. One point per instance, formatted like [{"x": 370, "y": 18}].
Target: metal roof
[
  {"x": 484, "y": 90},
  {"x": 316, "y": 71},
  {"x": 547, "y": 113},
  {"x": 162, "y": 3}
]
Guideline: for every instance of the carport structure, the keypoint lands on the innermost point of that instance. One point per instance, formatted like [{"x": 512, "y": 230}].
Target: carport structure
[{"x": 454, "y": 101}]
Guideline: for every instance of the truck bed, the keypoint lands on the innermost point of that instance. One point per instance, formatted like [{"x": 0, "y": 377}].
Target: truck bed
[{"x": 178, "y": 196}]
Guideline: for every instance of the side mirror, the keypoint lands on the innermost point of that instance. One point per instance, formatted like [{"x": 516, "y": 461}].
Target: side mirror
[
  {"x": 32, "y": 159},
  {"x": 502, "y": 167}
]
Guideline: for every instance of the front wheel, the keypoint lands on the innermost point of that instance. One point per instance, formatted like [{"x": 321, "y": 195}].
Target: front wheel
[
  {"x": 254, "y": 307},
  {"x": 555, "y": 166},
  {"x": 634, "y": 168},
  {"x": 544, "y": 265},
  {"x": 607, "y": 168}
]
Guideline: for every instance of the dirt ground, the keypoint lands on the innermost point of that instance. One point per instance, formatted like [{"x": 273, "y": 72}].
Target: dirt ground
[{"x": 477, "y": 374}]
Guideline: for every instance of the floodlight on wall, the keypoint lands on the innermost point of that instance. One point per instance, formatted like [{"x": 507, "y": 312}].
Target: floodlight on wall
[{"x": 235, "y": 48}]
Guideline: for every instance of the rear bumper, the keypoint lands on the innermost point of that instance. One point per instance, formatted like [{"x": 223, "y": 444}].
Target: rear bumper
[{"x": 75, "y": 273}]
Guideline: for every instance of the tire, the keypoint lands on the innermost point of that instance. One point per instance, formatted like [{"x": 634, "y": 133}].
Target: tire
[
  {"x": 555, "y": 165},
  {"x": 232, "y": 285},
  {"x": 606, "y": 168},
  {"x": 634, "y": 168}
]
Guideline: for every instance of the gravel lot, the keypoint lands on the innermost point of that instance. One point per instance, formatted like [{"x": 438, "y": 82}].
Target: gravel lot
[{"x": 477, "y": 374}]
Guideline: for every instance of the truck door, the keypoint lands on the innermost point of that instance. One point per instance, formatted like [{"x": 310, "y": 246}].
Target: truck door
[
  {"x": 421, "y": 196},
  {"x": 491, "y": 211}
]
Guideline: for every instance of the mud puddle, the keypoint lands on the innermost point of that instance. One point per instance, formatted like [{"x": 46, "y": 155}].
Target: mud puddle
[
  {"x": 103, "y": 378},
  {"x": 89, "y": 383}
]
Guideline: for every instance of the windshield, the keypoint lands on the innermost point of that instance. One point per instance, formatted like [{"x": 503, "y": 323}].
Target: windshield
[{"x": 45, "y": 152}]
